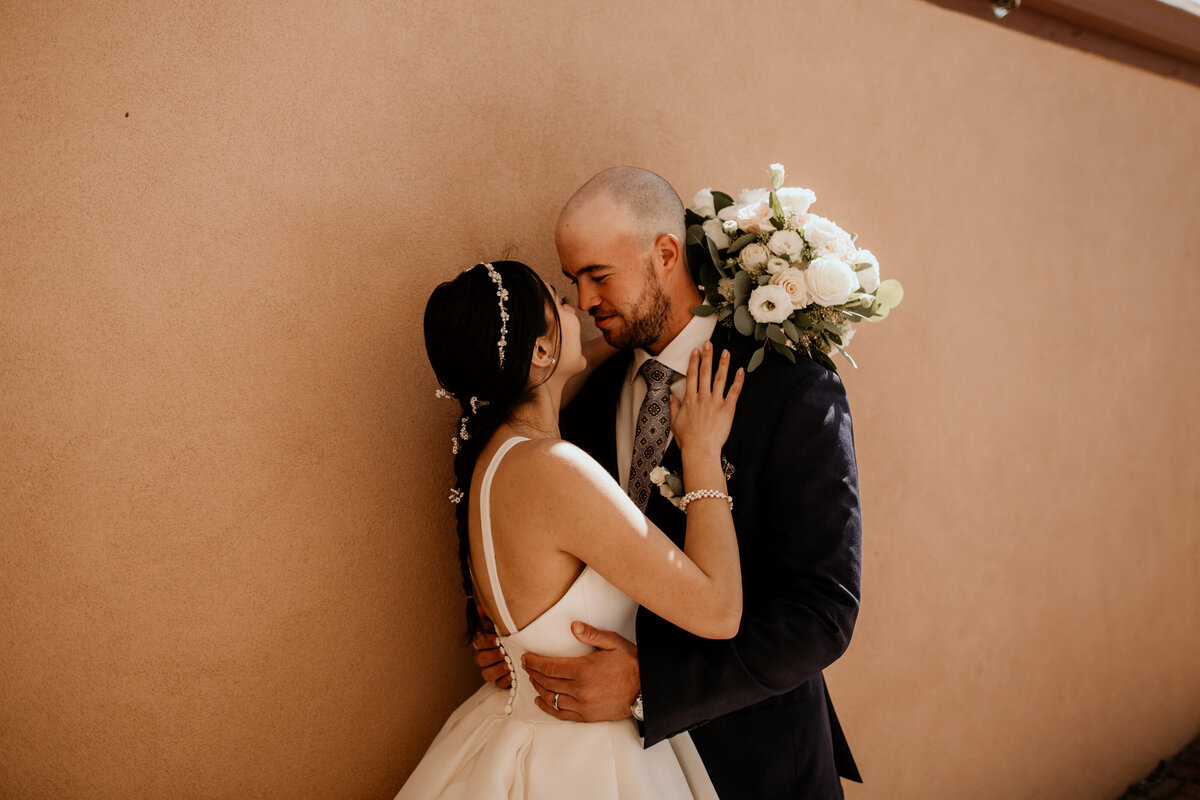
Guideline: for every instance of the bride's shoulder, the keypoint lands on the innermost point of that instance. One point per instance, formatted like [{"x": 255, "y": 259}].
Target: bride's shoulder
[{"x": 554, "y": 463}]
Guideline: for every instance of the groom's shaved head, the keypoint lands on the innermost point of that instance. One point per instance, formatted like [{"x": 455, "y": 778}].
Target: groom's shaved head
[{"x": 651, "y": 205}]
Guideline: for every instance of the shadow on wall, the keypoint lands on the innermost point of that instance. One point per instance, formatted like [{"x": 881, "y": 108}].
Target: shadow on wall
[{"x": 1034, "y": 23}]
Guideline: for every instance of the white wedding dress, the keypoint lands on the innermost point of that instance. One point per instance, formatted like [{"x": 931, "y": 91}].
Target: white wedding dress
[{"x": 499, "y": 744}]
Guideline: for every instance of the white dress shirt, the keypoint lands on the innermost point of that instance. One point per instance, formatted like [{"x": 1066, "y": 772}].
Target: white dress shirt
[{"x": 633, "y": 391}]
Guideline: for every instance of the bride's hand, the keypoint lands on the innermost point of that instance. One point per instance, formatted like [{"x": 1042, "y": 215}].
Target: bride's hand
[{"x": 702, "y": 419}]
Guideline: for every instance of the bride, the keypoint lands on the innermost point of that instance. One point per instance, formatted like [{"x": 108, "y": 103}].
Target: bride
[{"x": 546, "y": 537}]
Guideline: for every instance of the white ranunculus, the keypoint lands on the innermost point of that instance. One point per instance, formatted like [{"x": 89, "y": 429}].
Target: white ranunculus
[
  {"x": 770, "y": 304},
  {"x": 716, "y": 233},
  {"x": 754, "y": 256},
  {"x": 775, "y": 263},
  {"x": 830, "y": 281},
  {"x": 702, "y": 203},
  {"x": 826, "y": 237},
  {"x": 794, "y": 283},
  {"x": 729, "y": 226},
  {"x": 786, "y": 243},
  {"x": 658, "y": 475},
  {"x": 798, "y": 200},
  {"x": 749, "y": 197},
  {"x": 868, "y": 277},
  {"x": 776, "y": 173},
  {"x": 755, "y": 218}
]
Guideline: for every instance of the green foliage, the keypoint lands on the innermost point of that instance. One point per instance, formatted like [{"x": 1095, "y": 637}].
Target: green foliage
[
  {"x": 756, "y": 359},
  {"x": 743, "y": 322},
  {"x": 721, "y": 201},
  {"x": 704, "y": 311}
]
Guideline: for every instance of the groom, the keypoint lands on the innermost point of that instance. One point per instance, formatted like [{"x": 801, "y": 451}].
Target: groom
[{"x": 756, "y": 705}]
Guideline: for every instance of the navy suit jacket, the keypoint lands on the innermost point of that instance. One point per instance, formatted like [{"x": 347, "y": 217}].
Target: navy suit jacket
[{"x": 756, "y": 704}]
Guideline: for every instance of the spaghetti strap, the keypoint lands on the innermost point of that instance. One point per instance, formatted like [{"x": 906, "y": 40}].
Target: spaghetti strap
[{"x": 485, "y": 526}]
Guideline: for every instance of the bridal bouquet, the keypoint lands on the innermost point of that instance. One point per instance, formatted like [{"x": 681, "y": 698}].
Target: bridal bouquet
[{"x": 792, "y": 280}]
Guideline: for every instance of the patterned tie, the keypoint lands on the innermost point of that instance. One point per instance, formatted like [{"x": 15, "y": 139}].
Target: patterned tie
[{"x": 653, "y": 429}]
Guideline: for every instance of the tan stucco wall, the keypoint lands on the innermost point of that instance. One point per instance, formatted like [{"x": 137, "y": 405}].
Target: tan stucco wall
[{"x": 227, "y": 563}]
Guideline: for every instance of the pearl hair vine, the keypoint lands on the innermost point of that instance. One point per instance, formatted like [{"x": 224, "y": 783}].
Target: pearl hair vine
[{"x": 501, "y": 293}]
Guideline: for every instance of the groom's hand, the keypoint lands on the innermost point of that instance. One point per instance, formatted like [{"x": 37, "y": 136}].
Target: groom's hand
[
  {"x": 488, "y": 657},
  {"x": 599, "y": 686}
]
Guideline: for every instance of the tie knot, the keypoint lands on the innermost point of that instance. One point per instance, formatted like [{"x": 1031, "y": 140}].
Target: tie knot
[{"x": 656, "y": 375}]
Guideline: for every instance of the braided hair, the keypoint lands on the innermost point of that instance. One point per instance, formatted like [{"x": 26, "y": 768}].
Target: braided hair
[{"x": 465, "y": 335}]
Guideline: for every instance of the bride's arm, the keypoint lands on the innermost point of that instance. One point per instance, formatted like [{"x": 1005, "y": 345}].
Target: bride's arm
[{"x": 697, "y": 588}]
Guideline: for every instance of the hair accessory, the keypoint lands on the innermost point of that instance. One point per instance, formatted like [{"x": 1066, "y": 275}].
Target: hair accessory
[
  {"x": 442, "y": 393},
  {"x": 501, "y": 293},
  {"x": 456, "y": 496},
  {"x": 700, "y": 494},
  {"x": 462, "y": 430},
  {"x": 477, "y": 404}
]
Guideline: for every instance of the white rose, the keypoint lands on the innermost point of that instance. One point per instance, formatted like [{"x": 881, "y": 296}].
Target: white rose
[
  {"x": 729, "y": 226},
  {"x": 776, "y": 173},
  {"x": 798, "y": 200},
  {"x": 749, "y": 197},
  {"x": 786, "y": 243},
  {"x": 868, "y": 277},
  {"x": 716, "y": 233},
  {"x": 830, "y": 281},
  {"x": 658, "y": 475},
  {"x": 794, "y": 283},
  {"x": 775, "y": 263},
  {"x": 770, "y": 304},
  {"x": 755, "y": 218},
  {"x": 702, "y": 203},
  {"x": 826, "y": 237},
  {"x": 665, "y": 491},
  {"x": 725, "y": 288},
  {"x": 753, "y": 256}
]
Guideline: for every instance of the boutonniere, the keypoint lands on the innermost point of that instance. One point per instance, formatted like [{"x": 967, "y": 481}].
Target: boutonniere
[{"x": 670, "y": 485}]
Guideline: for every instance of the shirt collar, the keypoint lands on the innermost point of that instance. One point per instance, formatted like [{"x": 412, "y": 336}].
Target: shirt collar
[{"x": 677, "y": 354}]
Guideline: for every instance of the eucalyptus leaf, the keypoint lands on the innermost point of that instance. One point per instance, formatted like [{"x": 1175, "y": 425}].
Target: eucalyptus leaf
[
  {"x": 791, "y": 330},
  {"x": 743, "y": 321},
  {"x": 775, "y": 334},
  {"x": 824, "y": 360},
  {"x": 725, "y": 313},
  {"x": 695, "y": 234},
  {"x": 710, "y": 277},
  {"x": 715, "y": 256},
  {"x": 704, "y": 311},
  {"x": 889, "y": 293},
  {"x": 784, "y": 351},
  {"x": 741, "y": 242},
  {"x": 760, "y": 331},
  {"x": 741, "y": 287},
  {"x": 846, "y": 356},
  {"x": 721, "y": 201},
  {"x": 833, "y": 337},
  {"x": 755, "y": 360}
]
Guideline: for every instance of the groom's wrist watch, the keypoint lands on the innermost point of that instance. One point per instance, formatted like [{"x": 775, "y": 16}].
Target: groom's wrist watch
[{"x": 636, "y": 708}]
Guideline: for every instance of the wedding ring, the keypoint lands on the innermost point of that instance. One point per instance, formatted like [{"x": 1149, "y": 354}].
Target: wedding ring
[{"x": 556, "y": 701}]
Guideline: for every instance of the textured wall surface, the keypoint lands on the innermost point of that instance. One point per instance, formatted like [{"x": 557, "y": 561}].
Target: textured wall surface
[{"x": 227, "y": 561}]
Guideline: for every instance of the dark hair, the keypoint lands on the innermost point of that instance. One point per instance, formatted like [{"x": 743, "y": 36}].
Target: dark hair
[{"x": 462, "y": 332}]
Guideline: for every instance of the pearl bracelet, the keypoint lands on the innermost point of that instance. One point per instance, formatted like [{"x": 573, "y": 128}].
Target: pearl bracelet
[{"x": 700, "y": 494}]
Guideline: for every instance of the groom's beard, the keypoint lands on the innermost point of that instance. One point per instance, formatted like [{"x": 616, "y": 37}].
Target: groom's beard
[{"x": 644, "y": 324}]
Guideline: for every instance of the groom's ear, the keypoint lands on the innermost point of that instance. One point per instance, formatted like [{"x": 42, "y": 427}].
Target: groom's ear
[{"x": 668, "y": 251}]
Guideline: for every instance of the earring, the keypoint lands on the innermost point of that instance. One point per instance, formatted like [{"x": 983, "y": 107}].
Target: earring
[{"x": 553, "y": 360}]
